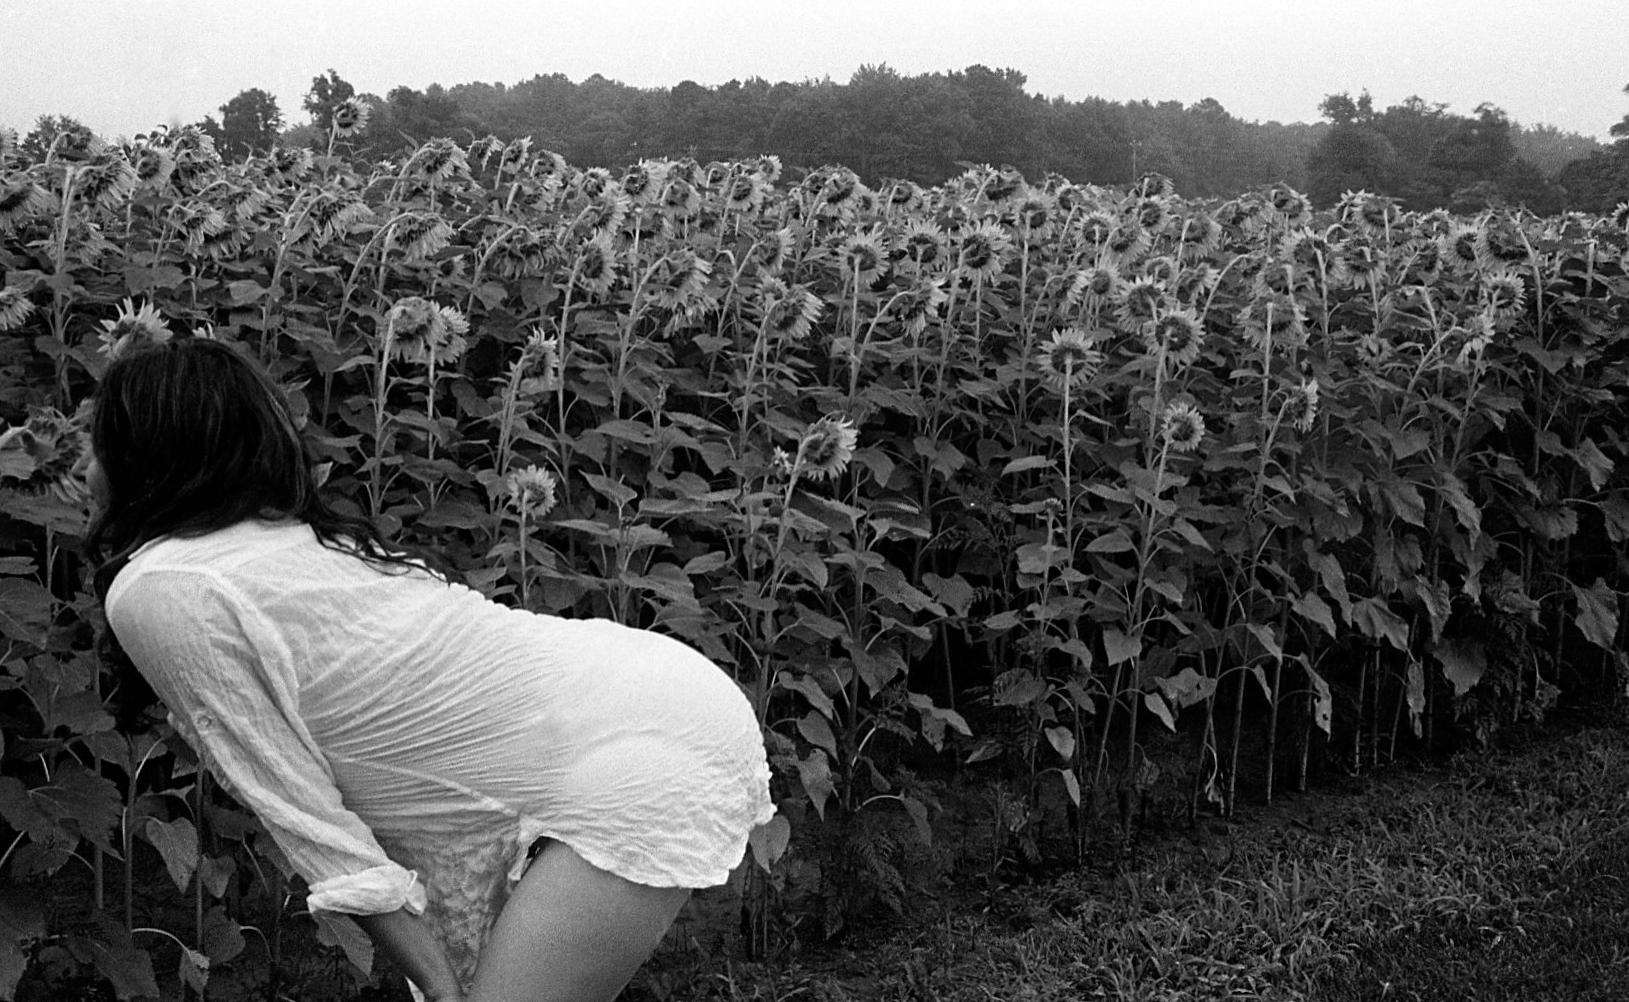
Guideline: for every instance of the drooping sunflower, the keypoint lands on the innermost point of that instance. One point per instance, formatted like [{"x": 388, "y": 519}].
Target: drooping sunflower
[
  {"x": 1182, "y": 427},
  {"x": 1035, "y": 214},
  {"x": 1175, "y": 335},
  {"x": 924, "y": 245},
  {"x": 1273, "y": 321},
  {"x": 594, "y": 183},
  {"x": 8, "y": 144},
  {"x": 132, "y": 326},
  {"x": 15, "y": 307},
  {"x": 1129, "y": 241},
  {"x": 596, "y": 264},
  {"x": 826, "y": 448},
  {"x": 643, "y": 181},
  {"x": 1500, "y": 241},
  {"x": 1097, "y": 227},
  {"x": 1301, "y": 410},
  {"x": 1502, "y": 293},
  {"x": 243, "y": 201},
  {"x": 837, "y": 195},
  {"x": 920, "y": 304},
  {"x": 1619, "y": 216},
  {"x": 105, "y": 181},
  {"x": 1458, "y": 248},
  {"x": 772, "y": 249},
  {"x": 1004, "y": 186},
  {"x": 438, "y": 161},
  {"x": 744, "y": 193},
  {"x": 49, "y": 449},
  {"x": 1200, "y": 235},
  {"x": 539, "y": 363},
  {"x": 680, "y": 199},
  {"x": 480, "y": 151},
  {"x": 677, "y": 279},
  {"x": 982, "y": 252},
  {"x": 1068, "y": 359},
  {"x": 287, "y": 163},
  {"x": 904, "y": 196},
  {"x": 334, "y": 214},
  {"x": 1362, "y": 263},
  {"x": 789, "y": 311},
  {"x": 1140, "y": 300},
  {"x": 418, "y": 235},
  {"x": 530, "y": 491},
  {"x": 154, "y": 165},
  {"x": 606, "y": 213},
  {"x": 525, "y": 253},
  {"x": 1098, "y": 283},
  {"x": 20, "y": 200},
  {"x": 517, "y": 153},
  {"x": 1153, "y": 184},
  {"x": 863, "y": 257}
]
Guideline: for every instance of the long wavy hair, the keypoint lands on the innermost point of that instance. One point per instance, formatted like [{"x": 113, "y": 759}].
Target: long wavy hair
[{"x": 193, "y": 436}]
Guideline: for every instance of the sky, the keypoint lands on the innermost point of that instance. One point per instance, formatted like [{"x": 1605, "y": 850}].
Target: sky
[{"x": 124, "y": 66}]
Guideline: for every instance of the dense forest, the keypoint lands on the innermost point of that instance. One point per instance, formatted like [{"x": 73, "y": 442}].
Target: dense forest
[{"x": 883, "y": 124}]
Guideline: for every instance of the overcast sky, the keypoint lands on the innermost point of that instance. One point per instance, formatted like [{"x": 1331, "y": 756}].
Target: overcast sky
[{"x": 123, "y": 66}]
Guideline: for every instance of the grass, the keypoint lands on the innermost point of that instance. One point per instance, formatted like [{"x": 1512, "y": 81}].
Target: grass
[{"x": 1496, "y": 877}]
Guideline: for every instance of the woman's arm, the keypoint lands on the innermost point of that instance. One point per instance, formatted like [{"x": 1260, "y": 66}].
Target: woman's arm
[{"x": 407, "y": 941}]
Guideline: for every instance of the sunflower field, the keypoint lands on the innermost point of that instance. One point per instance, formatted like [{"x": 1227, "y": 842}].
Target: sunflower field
[{"x": 1098, "y": 497}]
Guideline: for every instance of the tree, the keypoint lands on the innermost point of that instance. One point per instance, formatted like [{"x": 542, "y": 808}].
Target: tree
[
  {"x": 249, "y": 123},
  {"x": 326, "y": 91},
  {"x": 72, "y": 138},
  {"x": 1621, "y": 127}
]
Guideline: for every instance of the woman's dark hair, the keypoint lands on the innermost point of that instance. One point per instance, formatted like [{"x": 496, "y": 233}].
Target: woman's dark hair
[{"x": 193, "y": 436}]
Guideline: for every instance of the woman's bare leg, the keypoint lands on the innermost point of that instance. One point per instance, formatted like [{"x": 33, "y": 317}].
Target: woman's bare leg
[{"x": 572, "y": 932}]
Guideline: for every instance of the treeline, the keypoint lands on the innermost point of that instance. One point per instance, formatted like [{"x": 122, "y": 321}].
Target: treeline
[{"x": 884, "y": 124}]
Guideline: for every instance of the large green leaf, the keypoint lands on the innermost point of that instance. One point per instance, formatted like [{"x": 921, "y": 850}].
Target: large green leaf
[{"x": 1597, "y": 615}]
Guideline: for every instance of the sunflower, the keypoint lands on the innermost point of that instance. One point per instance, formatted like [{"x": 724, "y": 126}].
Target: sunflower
[
  {"x": 826, "y": 448},
  {"x": 411, "y": 326},
  {"x": 606, "y": 213},
  {"x": 1294, "y": 208},
  {"x": 526, "y": 253},
  {"x": 595, "y": 182},
  {"x": 223, "y": 244},
  {"x": 334, "y": 215},
  {"x": 1182, "y": 427},
  {"x": 351, "y": 116},
  {"x": 789, "y": 311},
  {"x": 680, "y": 199},
  {"x": 539, "y": 364},
  {"x": 1477, "y": 337},
  {"x": 1175, "y": 336},
  {"x": 1098, "y": 283},
  {"x": 916, "y": 306},
  {"x": 132, "y": 326},
  {"x": 1499, "y": 241},
  {"x": 243, "y": 202},
  {"x": 1140, "y": 300},
  {"x": 198, "y": 223},
  {"x": 744, "y": 193},
  {"x": 419, "y": 234},
  {"x": 1362, "y": 264},
  {"x": 515, "y": 156},
  {"x": 1369, "y": 213},
  {"x": 1034, "y": 214},
  {"x": 20, "y": 200},
  {"x": 1201, "y": 234},
  {"x": 982, "y": 251},
  {"x": 1003, "y": 186},
  {"x": 437, "y": 161},
  {"x": 596, "y": 264},
  {"x": 643, "y": 181},
  {"x": 1273, "y": 319},
  {"x": 153, "y": 166},
  {"x": 772, "y": 249},
  {"x": 50, "y": 447},
  {"x": 768, "y": 168},
  {"x": 780, "y": 461},
  {"x": 924, "y": 244},
  {"x": 1129, "y": 241},
  {"x": 863, "y": 256},
  {"x": 1374, "y": 350},
  {"x": 678, "y": 278},
  {"x": 1097, "y": 227},
  {"x": 1458, "y": 247},
  {"x": 1068, "y": 359},
  {"x": 530, "y": 491},
  {"x": 1619, "y": 216},
  {"x": 15, "y": 307},
  {"x": 480, "y": 151},
  {"x": 1502, "y": 293},
  {"x": 837, "y": 195},
  {"x": 1302, "y": 407},
  {"x": 1149, "y": 213},
  {"x": 1424, "y": 261},
  {"x": 8, "y": 144},
  {"x": 106, "y": 181},
  {"x": 903, "y": 196}
]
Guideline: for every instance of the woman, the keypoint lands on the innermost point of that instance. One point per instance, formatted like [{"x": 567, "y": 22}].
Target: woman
[{"x": 408, "y": 743}]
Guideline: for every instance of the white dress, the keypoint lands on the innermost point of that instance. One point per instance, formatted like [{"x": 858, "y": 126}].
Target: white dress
[{"x": 406, "y": 741}]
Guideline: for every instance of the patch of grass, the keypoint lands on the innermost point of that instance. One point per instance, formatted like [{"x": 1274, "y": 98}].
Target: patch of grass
[{"x": 1501, "y": 876}]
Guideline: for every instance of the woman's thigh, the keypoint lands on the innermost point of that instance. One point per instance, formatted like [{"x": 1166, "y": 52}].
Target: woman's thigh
[{"x": 572, "y": 932}]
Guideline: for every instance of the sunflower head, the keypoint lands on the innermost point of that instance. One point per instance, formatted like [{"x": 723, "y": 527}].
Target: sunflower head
[
  {"x": 596, "y": 264},
  {"x": 106, "y": 180},
  {"x": 1502, "y": 293},
  {"x": 438, "y": 161},
  {"x": 1182, "y": 427},
  {"x": 1068, "y": 360},
  {"x": 46, "y": 454},
  {"x": 826, "y": 448},
  {"x": 917, "y": 306},
  {"x": 1176, "y": 336},
  {"x": 530, "y": 492},
  {"x": 768, "y": 168},
  {"x": 517, "y": 153},
  {"x": 350, "y": 116},
  {"x": 983, "y": 251},
  {"x": 15, "y": 307},
  {"x": 539, "y": 365},
  {"x": 1097, "y": 283},
  {"x": 132, "y": 327},
  {"x": 1301, "y": 410},
  {"x": 418, "y": 235},
  {"x": 789, "y": 311},
  {"x": 1140, "y": 300}
]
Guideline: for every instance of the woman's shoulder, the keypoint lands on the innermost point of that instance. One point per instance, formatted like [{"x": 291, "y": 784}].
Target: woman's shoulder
[{"x": 214, "y": 554}]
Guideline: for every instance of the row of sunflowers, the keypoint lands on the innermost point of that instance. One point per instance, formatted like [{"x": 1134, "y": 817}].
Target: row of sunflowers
[{"x": 1016, "y": 475}]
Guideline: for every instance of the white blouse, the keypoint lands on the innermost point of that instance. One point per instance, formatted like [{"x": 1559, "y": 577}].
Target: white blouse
[{"x": 397, "y": 735}]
